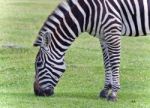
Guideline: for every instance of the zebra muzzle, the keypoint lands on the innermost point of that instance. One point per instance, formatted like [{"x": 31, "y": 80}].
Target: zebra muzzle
[{"x": 49, "y": 91}]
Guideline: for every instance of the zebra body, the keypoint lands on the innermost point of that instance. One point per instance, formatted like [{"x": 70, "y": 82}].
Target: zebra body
[{"x": 104, "y": 19}]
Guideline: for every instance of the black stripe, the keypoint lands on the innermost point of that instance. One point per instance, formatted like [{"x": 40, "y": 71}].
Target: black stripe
[
  {"x": 69, "y": 21},
  {"x": 98, "y": 16},
  {"x": 48, "y": 82},
  {"x": 86, "y": 10},
  {"x": 76, "y": 12},
  {"x": 134, "y": 16},
  {"x": 148, "y": 3},
  {"x": 92, "y": 15},
  {"x": 141, "y": 5},
  {"x": 126, "y": 17}
]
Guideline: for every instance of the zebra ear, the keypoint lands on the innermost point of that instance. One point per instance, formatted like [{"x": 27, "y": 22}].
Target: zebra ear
[
  {"x": 38, "y": 42},
  {"x": 43, "y": 40}
]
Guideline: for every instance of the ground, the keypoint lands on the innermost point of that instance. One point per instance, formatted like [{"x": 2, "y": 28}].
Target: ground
[{"x": 20, "y": 21}]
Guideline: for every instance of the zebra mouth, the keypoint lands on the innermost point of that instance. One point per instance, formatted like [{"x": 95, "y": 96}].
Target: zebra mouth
[{"x": 43, "y": 92}]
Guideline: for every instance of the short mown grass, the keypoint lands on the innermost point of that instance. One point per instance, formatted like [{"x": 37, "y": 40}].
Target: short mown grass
[{"x": 79, "y": 87}]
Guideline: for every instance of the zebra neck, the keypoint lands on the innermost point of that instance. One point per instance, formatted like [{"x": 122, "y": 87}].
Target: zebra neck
[{"x": 69, "y": 20}]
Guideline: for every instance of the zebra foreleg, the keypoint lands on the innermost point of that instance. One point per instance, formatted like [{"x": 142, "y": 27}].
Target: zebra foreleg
[
  {"x": 113, "y": 43},
  {"x": 108, "y": 72}
]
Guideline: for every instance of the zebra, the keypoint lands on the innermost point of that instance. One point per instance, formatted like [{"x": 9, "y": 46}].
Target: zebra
[{"x": 107, "y": 20}]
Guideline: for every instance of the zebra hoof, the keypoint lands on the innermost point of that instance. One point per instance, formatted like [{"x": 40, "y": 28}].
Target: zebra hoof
[
  {"x": 112, "y": 97},
  {"x": 49, "y": 91},
  {"x": 104, "y": 93}
]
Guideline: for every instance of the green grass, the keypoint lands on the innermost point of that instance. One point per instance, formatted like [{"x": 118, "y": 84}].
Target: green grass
[{"x": 79, "y": 87}]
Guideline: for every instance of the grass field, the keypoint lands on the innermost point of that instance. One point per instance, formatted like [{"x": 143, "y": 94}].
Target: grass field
[{"x": 79, "y": 87}]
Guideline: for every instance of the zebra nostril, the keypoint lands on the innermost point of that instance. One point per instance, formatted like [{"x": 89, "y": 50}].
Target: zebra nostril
[{"x": 49, "y": 91}]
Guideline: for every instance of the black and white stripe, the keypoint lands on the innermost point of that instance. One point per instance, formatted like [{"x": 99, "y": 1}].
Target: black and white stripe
[{"x": 104, "y": 19}]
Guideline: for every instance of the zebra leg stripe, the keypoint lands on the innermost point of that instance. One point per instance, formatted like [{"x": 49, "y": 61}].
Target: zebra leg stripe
[{"x": 108, "y": 71}]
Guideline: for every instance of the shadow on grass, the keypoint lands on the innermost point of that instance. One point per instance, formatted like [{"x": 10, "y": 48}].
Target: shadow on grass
[
  {"x": 91, "y": 96},
  {"x": 77, "y": 95}
]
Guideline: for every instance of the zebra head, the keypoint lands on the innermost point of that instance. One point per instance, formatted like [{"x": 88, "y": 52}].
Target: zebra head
[{"x": 48, "y": 67}]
